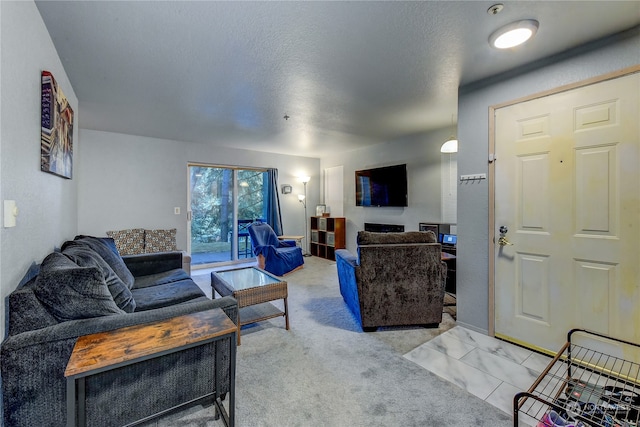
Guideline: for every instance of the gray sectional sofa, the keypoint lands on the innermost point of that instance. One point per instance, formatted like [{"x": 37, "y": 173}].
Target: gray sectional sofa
[{"x": 88, "y": 288}]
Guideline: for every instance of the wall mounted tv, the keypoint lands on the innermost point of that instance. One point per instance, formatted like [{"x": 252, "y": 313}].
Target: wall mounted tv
[{"x": 385, "y": 186}]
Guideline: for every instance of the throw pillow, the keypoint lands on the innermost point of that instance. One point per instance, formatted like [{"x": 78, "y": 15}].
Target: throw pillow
[
  {"x": 106, "y": 248},
  {"x": 160, "y": 241},
  {"x": 71, "y": 292},
  {"x": 87, "y": 257},
  {"x": 128, "y": 242}
]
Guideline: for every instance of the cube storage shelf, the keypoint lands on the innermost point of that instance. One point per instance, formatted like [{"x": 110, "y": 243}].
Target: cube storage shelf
[
  {"x": 591, "y": 383},
  {"x": 327, "y": 235}
]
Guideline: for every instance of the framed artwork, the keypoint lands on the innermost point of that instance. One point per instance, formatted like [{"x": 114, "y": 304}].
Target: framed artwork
[
  {"x": 56, "y": 135},
  {"x": 320, "y": 210}
]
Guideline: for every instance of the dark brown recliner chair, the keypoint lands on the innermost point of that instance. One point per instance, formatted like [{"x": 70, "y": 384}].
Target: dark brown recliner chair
[{"x": 397, "y": 279}]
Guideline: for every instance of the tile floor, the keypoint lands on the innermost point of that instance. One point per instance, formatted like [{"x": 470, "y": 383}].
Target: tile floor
[{"x": 488, "y": 368}]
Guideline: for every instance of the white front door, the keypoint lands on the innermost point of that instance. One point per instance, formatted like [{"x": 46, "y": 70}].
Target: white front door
[{"x": 567, "y": 188}]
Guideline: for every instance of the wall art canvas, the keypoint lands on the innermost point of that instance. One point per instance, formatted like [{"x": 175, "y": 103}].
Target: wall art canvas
[{"x": 56, "y": 140}]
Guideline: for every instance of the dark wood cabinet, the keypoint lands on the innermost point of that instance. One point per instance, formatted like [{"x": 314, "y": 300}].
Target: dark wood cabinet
[{"x": 327, "y": 235}]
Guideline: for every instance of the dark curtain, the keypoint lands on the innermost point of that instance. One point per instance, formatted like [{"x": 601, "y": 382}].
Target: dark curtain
[{"x": 273, "y": 202}]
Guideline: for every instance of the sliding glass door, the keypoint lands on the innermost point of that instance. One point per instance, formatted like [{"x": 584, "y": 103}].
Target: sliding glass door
[{"x": 222, "y": 202}]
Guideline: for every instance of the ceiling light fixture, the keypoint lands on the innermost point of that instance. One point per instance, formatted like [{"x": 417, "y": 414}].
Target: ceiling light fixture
[
  {"x": 514, "y": 34},
  {"x": 451, "y": 144},
  {"x": 495, "y": 9}
]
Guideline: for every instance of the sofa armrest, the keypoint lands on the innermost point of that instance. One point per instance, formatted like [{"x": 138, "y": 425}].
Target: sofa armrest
[
  {"x": 347, "y": 257},
  {"x": 186, "y": 262},
  {"x": 76, "y": 328},
  {"x": 159, "y": 262},
  {"x": 347, "y": 264}
]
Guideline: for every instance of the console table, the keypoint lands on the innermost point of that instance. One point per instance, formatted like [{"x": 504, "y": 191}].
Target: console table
[{"x": 110, "y": 350}]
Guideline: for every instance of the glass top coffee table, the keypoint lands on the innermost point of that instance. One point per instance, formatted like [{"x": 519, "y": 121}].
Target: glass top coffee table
[{"x": 253, "y": 288}]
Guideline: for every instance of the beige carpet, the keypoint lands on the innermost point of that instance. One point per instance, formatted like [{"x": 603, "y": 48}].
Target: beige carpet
[{"x": 325, "y": 371}]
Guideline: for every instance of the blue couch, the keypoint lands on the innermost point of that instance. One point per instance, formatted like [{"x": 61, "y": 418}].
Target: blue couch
[{"x": 89, "y": 288}]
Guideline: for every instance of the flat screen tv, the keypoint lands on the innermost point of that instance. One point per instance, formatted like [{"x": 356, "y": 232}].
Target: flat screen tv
[{"x": 386, "y": 186}]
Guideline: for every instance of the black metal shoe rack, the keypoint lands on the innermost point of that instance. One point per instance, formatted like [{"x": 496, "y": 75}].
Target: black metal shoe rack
[{"x": 596, "y": 383}]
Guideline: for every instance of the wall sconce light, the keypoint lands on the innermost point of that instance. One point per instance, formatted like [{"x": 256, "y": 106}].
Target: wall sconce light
[{"x": 286, "y": 189}]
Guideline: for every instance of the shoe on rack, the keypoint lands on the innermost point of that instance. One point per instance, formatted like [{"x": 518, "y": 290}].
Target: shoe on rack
[
  {"x": 621, "y": 395},
  {"x": 553, "y": 419}
]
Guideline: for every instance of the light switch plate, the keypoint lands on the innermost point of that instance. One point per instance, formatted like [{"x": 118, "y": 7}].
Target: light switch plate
[{"x": 10, "y": 213}]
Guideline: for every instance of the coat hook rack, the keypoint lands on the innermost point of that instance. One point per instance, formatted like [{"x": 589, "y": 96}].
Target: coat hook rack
[{"x": 474, "y": 177}]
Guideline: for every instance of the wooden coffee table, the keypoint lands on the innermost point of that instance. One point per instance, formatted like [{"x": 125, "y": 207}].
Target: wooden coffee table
[{"x": 253, "y": 288}]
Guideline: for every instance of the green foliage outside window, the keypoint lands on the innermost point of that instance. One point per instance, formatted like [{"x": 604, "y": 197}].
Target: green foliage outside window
[{"x": 212, "y": 201}]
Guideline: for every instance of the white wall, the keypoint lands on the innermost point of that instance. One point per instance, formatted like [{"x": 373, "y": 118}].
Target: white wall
[
  {"x": 473, "y": 210},
  {"x": 422, "y": 155},
  {"x": 135, "y": 182},
  {"x": 47, "y": 203}
]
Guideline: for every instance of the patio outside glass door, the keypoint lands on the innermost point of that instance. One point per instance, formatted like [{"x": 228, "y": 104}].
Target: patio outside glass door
[{"x": 222, "y": 202}]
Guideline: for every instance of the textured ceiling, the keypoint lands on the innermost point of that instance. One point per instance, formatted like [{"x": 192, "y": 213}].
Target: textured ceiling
[{"x": 347, "y": 73}]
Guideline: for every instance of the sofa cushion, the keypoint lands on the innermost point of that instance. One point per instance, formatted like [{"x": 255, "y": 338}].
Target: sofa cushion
[
  {"x": 71, "y": 292},
  {"x": 160, "y": 241},
  {"x": 165, "y": 277},
  {"x": 128, "y": 242},
  {"x": 87, "y": 257},
  {"x": 163, "y": 295},
  {"x": 106, "y": 248}
]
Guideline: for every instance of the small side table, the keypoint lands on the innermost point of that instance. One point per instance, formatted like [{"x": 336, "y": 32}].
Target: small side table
[
  {"x": 253, "y": 288},
  {"x": 298, "y": 239},
  {"x": 109, "y": 350}
]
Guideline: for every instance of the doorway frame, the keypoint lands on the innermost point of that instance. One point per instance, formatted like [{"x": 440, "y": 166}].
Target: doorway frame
[{"x": 493, "y": 159}]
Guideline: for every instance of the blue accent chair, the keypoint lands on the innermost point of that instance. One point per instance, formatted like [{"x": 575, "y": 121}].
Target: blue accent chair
[{"x": 276, "y": 256}]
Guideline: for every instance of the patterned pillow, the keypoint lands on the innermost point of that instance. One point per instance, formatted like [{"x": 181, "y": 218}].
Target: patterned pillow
[
  {"x": 128, "y": 242},
  {"x": 160, "y": 241}
]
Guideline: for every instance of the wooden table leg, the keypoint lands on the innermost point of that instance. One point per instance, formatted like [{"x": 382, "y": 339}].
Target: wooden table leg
[{"x": 239, "y": 326}]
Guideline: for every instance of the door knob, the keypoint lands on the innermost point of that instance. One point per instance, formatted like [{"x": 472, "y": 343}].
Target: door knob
[{"x": 502, "y": 241}]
